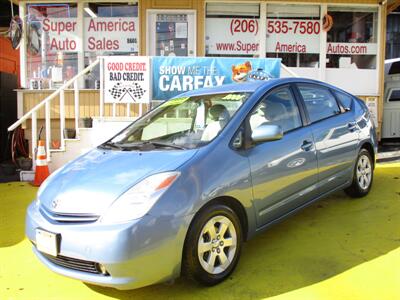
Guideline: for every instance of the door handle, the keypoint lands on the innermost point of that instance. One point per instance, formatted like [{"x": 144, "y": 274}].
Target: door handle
[
  {"x": 307, "y": 145},
  {"x": 352, "y": 126}
]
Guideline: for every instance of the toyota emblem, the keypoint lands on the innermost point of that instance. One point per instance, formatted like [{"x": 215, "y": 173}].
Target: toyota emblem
[{"x": 54, "y": 203}]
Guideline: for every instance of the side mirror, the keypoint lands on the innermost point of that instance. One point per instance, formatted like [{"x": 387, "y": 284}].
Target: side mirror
[
  {"x": 267, "y": 132},
  {"x": 237, "y": 142}
]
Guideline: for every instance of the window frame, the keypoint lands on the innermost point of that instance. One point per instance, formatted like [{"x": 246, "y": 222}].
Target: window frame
[
  {"x": 391, "y": 90},
  {"x": 289, "y": 86},
  {"x": 343, "y": 108},
  {"x": 304, "y": 102},
  {"x": 354, "y": 8},
  {"x": 23, "y": 8}
]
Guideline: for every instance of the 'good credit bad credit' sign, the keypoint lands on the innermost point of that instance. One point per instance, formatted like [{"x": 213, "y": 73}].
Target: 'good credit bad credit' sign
[
  {"x": 126, "y": 79},
  {"x": 100, "y": 34}
]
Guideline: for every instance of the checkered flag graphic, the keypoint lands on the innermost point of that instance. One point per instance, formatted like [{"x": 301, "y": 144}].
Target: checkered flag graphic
[{"x": 134, "y": 90}]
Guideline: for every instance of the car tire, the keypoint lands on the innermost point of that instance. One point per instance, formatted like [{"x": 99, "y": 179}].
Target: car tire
[
  {"x": 213, "y": 244},
  {"x": 363, "y": 175}
]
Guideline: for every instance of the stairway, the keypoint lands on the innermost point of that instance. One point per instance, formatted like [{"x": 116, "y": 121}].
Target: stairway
[{"x": 102, "y": 130}]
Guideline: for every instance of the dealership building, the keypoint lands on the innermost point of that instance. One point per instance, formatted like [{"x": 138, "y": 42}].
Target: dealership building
[{"x": 339, "y": 42}]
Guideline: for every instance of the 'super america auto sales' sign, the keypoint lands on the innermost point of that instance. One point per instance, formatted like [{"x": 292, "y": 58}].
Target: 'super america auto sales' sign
[
  {"x": 100, "y": 34},
  {"x": 240, "y": 36},
  {"x": 126, "y": 79}
]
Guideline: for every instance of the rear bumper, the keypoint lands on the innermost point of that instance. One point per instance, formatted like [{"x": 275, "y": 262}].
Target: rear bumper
[{"x": 135, "y": 254}]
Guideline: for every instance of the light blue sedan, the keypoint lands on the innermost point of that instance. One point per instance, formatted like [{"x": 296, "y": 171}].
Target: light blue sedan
[{"x": 180, "y": 190}]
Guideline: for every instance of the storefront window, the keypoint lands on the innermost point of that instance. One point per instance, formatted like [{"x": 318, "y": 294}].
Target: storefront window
[
  {"x": 393, "y": 35},
  {"x": 232, "y": 29},
  {"x": 109, "y": 29},
  {"x": 172, "y": 35},
  {"x": 352, "y": 40},
  {"x": 293, "y": 34},
  {"x": 51, "y": 44}
]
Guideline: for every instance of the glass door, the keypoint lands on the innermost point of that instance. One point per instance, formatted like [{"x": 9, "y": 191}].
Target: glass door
[{"x": 171, "y": 33}]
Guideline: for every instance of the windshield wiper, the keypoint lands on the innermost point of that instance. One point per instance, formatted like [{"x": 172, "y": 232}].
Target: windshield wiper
[
  {"x": 108, "y": 145},
  {"x": 150, "y": 145},
  {"x": 145, "y": 145},
  {"x": 170, "y": 145}
]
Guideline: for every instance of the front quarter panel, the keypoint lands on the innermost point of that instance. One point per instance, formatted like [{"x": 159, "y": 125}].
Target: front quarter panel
[{"x": 217, "y": 171}]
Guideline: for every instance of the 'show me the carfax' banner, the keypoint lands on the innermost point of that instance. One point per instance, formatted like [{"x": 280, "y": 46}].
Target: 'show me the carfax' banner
[{"x": 174, "y": 75}]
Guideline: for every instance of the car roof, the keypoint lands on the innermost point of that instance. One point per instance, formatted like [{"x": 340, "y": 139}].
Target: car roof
[
  {"x": 392, "y": 66},
  {"x": 226, "y": 88},
  {"x": 250, "y": 86}
]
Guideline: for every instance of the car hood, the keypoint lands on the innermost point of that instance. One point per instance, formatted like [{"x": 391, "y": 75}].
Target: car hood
[{"x": 92, "y": 182}]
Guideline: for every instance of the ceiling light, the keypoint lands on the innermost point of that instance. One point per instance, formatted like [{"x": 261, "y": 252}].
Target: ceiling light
[{"x": 90, "y": 12}]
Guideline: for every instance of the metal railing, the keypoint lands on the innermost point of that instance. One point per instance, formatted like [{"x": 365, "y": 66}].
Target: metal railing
[{"x": 46, "y": 103}]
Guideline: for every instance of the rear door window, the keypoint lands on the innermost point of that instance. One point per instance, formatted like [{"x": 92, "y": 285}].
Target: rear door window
[
  {"x": 344, "y": 99},
  {"x": 319, "y": 101}
]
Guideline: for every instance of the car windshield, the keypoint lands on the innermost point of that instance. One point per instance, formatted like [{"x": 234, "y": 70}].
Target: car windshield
[{"x": 181, "y": 123}]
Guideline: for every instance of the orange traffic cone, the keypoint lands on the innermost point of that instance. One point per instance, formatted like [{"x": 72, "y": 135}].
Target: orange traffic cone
[{"x": 42, "y": 169}]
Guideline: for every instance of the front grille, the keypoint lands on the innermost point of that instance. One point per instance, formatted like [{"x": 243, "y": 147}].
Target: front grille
[
  {"x": 75, "y": 264},
  {"x": 68, "y": 217}
]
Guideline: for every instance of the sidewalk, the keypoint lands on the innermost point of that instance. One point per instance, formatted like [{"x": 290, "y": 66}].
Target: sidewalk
[{"x": 388, "y": 152}]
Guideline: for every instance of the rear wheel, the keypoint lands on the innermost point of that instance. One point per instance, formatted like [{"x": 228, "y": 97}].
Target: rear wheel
[
  {"x": 363, "y": 175},
  {"x": 213, "y": 245}
]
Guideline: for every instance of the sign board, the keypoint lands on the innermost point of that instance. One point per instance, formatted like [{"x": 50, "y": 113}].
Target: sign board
[
  {"x": 230, "y": 36},
  {"x": 372, "y": 104},
  {"x": 293, "y": 35},
  {"x": 175, "y": 75},
  {"x": 352, "y": 48},
  {"x": 100, "y": 34},
  {"x": 111, "y": 34},
  {"x": 240, "y": 36},
  {"x": 126, "y": 79}
]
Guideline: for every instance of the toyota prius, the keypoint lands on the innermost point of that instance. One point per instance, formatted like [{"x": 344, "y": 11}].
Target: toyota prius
[{"x": 182, "y": 188}]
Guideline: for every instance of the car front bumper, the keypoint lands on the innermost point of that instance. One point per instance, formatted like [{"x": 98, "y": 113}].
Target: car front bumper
[{"x": 134, "y": 254}]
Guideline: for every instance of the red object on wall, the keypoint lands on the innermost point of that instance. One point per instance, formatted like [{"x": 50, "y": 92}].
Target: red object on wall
[{"x": 9, "y": 58}]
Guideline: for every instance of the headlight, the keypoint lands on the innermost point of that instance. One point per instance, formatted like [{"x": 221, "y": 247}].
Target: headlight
[{"x": 137, "y": 201}]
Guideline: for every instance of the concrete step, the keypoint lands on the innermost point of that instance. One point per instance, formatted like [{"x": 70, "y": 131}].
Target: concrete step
[{"x": 88, "y": 138}]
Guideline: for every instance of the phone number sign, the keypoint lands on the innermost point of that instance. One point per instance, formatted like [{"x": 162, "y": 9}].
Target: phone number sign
[{"x": 241, "y": 36}]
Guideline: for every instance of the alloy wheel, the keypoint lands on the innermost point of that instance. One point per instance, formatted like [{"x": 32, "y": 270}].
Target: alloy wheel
[
  {"x": 364, "y": 171},
  {"x": 217, "y": 244}
]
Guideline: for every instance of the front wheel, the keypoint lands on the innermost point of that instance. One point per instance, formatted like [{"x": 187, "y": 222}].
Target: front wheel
[
  {"x": 213, "y": 245},
  {"x": 363, "y": 175}
]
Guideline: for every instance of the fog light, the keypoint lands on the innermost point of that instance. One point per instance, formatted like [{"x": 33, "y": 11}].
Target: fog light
[{"x": 102, "y": 269}]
